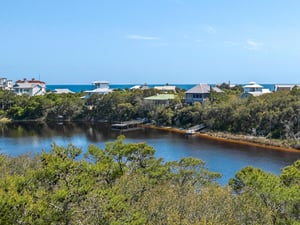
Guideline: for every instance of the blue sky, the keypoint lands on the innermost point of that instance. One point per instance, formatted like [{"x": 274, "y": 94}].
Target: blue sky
[{"x": 152, "y": 41}]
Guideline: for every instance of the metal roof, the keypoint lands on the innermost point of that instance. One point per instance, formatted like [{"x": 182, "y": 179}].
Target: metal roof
[
  {"x": 62, "y": 91},
  {"x": 99, "y": 90},
  {"x": 199, "y": 89},
  {"x": 161, "y": 97}
]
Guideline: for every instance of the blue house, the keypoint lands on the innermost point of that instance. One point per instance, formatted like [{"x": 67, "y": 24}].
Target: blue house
[{"x": 199, "y": 93}]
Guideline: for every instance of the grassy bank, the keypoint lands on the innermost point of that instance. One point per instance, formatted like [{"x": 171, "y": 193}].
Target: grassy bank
[{"x": 235, "y": 138}]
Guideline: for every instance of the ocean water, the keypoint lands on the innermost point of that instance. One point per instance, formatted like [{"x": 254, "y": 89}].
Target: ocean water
[
  {"x": 85, "y": 87},
  {"x": 73, "y": 87}
]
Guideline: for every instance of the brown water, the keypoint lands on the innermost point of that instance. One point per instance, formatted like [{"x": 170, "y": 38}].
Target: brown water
[{"x": 19, "y": 138}]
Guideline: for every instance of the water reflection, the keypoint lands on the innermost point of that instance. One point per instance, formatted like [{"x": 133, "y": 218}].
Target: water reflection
[
  {"x": 94, "y": 131},
  {"x": 226, "y": 158}
]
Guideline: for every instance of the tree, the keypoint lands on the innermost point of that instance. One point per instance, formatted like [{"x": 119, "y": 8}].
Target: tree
[{"x": 283, "y": 201}]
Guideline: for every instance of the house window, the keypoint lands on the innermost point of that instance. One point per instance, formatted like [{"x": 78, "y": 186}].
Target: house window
[{"x": 197, "y": 96}]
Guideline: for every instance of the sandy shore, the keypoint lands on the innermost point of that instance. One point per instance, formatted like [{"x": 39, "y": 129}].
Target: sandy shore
[{"x": 232, "y": 138}]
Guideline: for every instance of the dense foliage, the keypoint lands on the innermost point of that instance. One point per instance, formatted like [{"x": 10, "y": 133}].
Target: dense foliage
[
  {"x": 47, "y": 107},
  {"x": 274, "y": 115},
  {"x": 125, "y": 184}
]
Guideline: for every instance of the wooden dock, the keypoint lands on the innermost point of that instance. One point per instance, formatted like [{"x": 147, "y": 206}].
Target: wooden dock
[{"x": 127, "y": 125}]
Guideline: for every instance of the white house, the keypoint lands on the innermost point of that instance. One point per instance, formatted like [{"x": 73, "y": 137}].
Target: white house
[
  {"x": 254, "y": 89},
  {"x": 285, "y": 87},
  {"x": 30, "y": 87},
  {"x": 101, "y": 87},
  {"x": 6, "y": 84}
]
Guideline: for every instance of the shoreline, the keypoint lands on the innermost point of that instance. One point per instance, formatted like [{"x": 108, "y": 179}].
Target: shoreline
[
  {"x": 229, "y": 138},
  {"x": 217, "y": 136}
]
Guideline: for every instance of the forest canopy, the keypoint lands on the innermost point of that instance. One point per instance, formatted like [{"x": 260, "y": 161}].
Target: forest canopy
[{"x": 124, "y": 183}]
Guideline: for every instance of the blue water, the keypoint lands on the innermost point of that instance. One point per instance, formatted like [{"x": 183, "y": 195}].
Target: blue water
[
  {"x": 84, "y": 87},
  {"x": 225, "y": 158}
]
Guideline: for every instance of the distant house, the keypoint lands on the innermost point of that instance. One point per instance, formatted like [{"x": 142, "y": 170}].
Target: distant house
[
  {"x": 166, "y": 88},
  {"x": 62, "y": 91},
  {"x": 145, "y": 87},
  {"x": 160, "y": 99},
  {"x": 30, "y": 87},
  {"x": 142, "y": 87},
  {"x": 6, "y": 84},
  {"x": 135, "y": 87},
  {"x": 199, "y": 93},
  {"x": 285, "y": 87},
  {"x": 254, "y": 89},
  {"x": 101, "y": 87}
]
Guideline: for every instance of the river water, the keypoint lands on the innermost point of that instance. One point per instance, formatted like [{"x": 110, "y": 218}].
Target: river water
[{"x": 225, "y": 158}]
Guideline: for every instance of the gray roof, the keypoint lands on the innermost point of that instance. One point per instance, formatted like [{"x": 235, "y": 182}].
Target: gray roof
[
  {"x": 62, "y": 91},
  {"x": 199, "y": 88},
  {"x": 165, "y": 88},
  {"x": 216, "y": 89}
]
